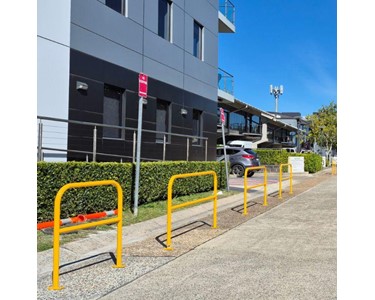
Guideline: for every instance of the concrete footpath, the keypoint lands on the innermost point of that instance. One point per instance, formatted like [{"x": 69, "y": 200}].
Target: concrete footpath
[{"x": 287, "y": 252}]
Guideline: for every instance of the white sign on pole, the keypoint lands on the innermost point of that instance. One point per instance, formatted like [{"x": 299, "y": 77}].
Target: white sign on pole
[{"x": 298, "y": 163}]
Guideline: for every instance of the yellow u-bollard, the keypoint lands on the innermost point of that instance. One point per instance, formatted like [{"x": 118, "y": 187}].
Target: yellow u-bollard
[
  {"x": 57, "y": 230},
  {"x": 281, "y": 178},
  {"x": 170, "y": 207},
  {"x": 264, "y": 184}
]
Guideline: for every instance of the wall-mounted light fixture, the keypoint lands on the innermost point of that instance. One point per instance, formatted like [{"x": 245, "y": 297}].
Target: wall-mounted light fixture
[
  {"x": 183, "y": 111},
  {"x": 81, "y": 86}
]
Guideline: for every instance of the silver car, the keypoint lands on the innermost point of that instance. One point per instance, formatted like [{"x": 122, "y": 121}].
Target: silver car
[{"x": 239, "y": 158}]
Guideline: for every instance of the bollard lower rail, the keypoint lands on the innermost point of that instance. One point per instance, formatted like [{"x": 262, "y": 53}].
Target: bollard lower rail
[
  {"x": 57, "y": 230},
  {"x": 281, "y": 178},
  {"x": 78, "y": 219},
  {"x": 246, "y": 188},
  {"x": 171, "y": 207}
]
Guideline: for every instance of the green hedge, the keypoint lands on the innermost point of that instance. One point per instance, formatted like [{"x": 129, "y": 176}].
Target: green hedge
[
  {"x": 154, "y": 178},
  {"x": 313, "y": 162}
]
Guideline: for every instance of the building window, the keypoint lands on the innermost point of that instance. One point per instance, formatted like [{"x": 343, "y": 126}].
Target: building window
[
  {"x": 197, "y": 127},
  {"x": 117, "y": 5},
  {"x": 237, "y": 122},
  {"x": 162, "y": 119},
  {"x": 255, "y": 124},
  {"x": 113, "y": 111},
  {"x": 198, "y": 40},
  {"x": 165, "y": 18}
]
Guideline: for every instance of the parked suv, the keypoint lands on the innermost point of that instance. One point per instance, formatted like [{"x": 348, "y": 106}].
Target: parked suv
[{"x": 239, "y": 158}]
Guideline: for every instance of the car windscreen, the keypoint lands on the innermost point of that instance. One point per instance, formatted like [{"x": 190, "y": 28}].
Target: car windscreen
[{"x": 250, "y": 152}]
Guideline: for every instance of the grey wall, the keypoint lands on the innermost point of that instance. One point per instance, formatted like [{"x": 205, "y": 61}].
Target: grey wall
[
  {"x": 53, "y": 42},
  {"x": 134, "y": 44}
]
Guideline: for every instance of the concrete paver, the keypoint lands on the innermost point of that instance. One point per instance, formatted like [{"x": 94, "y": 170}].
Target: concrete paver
[{"x": 288, "y": 252}]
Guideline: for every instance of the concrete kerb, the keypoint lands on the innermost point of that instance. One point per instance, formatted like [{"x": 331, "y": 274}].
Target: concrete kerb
[{"x": 105, "y": 241}]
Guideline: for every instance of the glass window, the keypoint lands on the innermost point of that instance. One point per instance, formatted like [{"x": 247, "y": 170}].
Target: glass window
[
  {"x": 162, "y": 119},
  {"x": 237, "y": 122},
  {"x": 164, "y": 29},
  {"x": 198, "y": 41},
  {"x": 117, "y": 5},
  {"x": 113, "y": 111},
  {"x": 197, "y": 126},
  {"x": 255, "y": 124}
]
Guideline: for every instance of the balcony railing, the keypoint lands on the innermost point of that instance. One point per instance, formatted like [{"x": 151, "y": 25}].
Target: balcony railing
[
  {"x": 228, "y": 10},
  {"x": 225, "y": 82}
]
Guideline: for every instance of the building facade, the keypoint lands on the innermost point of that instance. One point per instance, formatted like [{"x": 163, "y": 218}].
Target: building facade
[
  {"x": 248, "y": 123},
  {"x": 90, "y": 55}
]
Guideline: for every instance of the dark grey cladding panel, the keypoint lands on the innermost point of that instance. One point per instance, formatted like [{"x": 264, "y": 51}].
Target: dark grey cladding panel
[
  {"x": 86, "y": 100},
  {"x": 89, "y": 107},
  {"x": 165, "y": 91},
  {"x": 200, "y": 103},
  {"x": 103, "y": 71}
]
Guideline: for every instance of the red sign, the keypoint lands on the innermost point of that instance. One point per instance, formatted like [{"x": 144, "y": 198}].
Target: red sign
[
  {"x": 142, "y": 85},
  {"x": 222, "y": 115}
]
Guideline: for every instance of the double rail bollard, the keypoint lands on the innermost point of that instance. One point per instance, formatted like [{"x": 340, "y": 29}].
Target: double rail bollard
[
  {"x": 57, "y": 230},
  {"x": 171, "y": 207},
  {"x": 264, "y": 184}
]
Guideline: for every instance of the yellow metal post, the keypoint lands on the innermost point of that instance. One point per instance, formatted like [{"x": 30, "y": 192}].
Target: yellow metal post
[
  {"x": 265, "y": 203},
  {"x": 291, "y": 179},
  {"x": 214, "y": 221},
  {"x": 280, "y": 181},
  {"x": 245, "y": 194},
  {"x": 57, "y": 230},
  {"x": 171, "y": 207},
  {"x": 334, "y": 168},
  {"x": 169, "y": 213}
]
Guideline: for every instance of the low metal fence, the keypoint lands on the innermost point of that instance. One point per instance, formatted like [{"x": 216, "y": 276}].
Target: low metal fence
[{"x": 53, "y": 136}]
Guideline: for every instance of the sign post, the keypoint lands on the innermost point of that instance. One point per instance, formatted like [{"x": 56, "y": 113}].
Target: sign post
[
  {"x": 222, "y": 119},
  {"x": 142, "y": 93}
]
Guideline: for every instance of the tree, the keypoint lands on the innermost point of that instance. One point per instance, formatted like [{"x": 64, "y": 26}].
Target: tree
[{"x": 323, "y": 127}]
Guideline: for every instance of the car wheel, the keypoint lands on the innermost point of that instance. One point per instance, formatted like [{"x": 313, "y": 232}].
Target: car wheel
[
  {"x": 238, "y": 170},
  {"x": 251, "y": 174}
]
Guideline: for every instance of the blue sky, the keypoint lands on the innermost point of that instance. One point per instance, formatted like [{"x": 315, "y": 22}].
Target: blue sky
[{"x": 291, "y": 43}]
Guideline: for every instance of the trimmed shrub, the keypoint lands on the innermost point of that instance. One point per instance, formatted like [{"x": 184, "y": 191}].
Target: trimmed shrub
[
  {"x": 313, "y": 162},
  {"x": 53, "y": 176},
  {"x": 153, "y": 185}
]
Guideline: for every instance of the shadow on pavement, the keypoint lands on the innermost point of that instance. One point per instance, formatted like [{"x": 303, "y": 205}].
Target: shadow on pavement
[{"x": 161, "y": 240}]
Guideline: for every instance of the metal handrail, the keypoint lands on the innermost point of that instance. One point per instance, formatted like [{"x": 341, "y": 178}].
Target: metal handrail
[
  {"x": 225, "y": 81},
  {"x": 94, "y": 153},
  {"x": 227, "y": 6}
]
